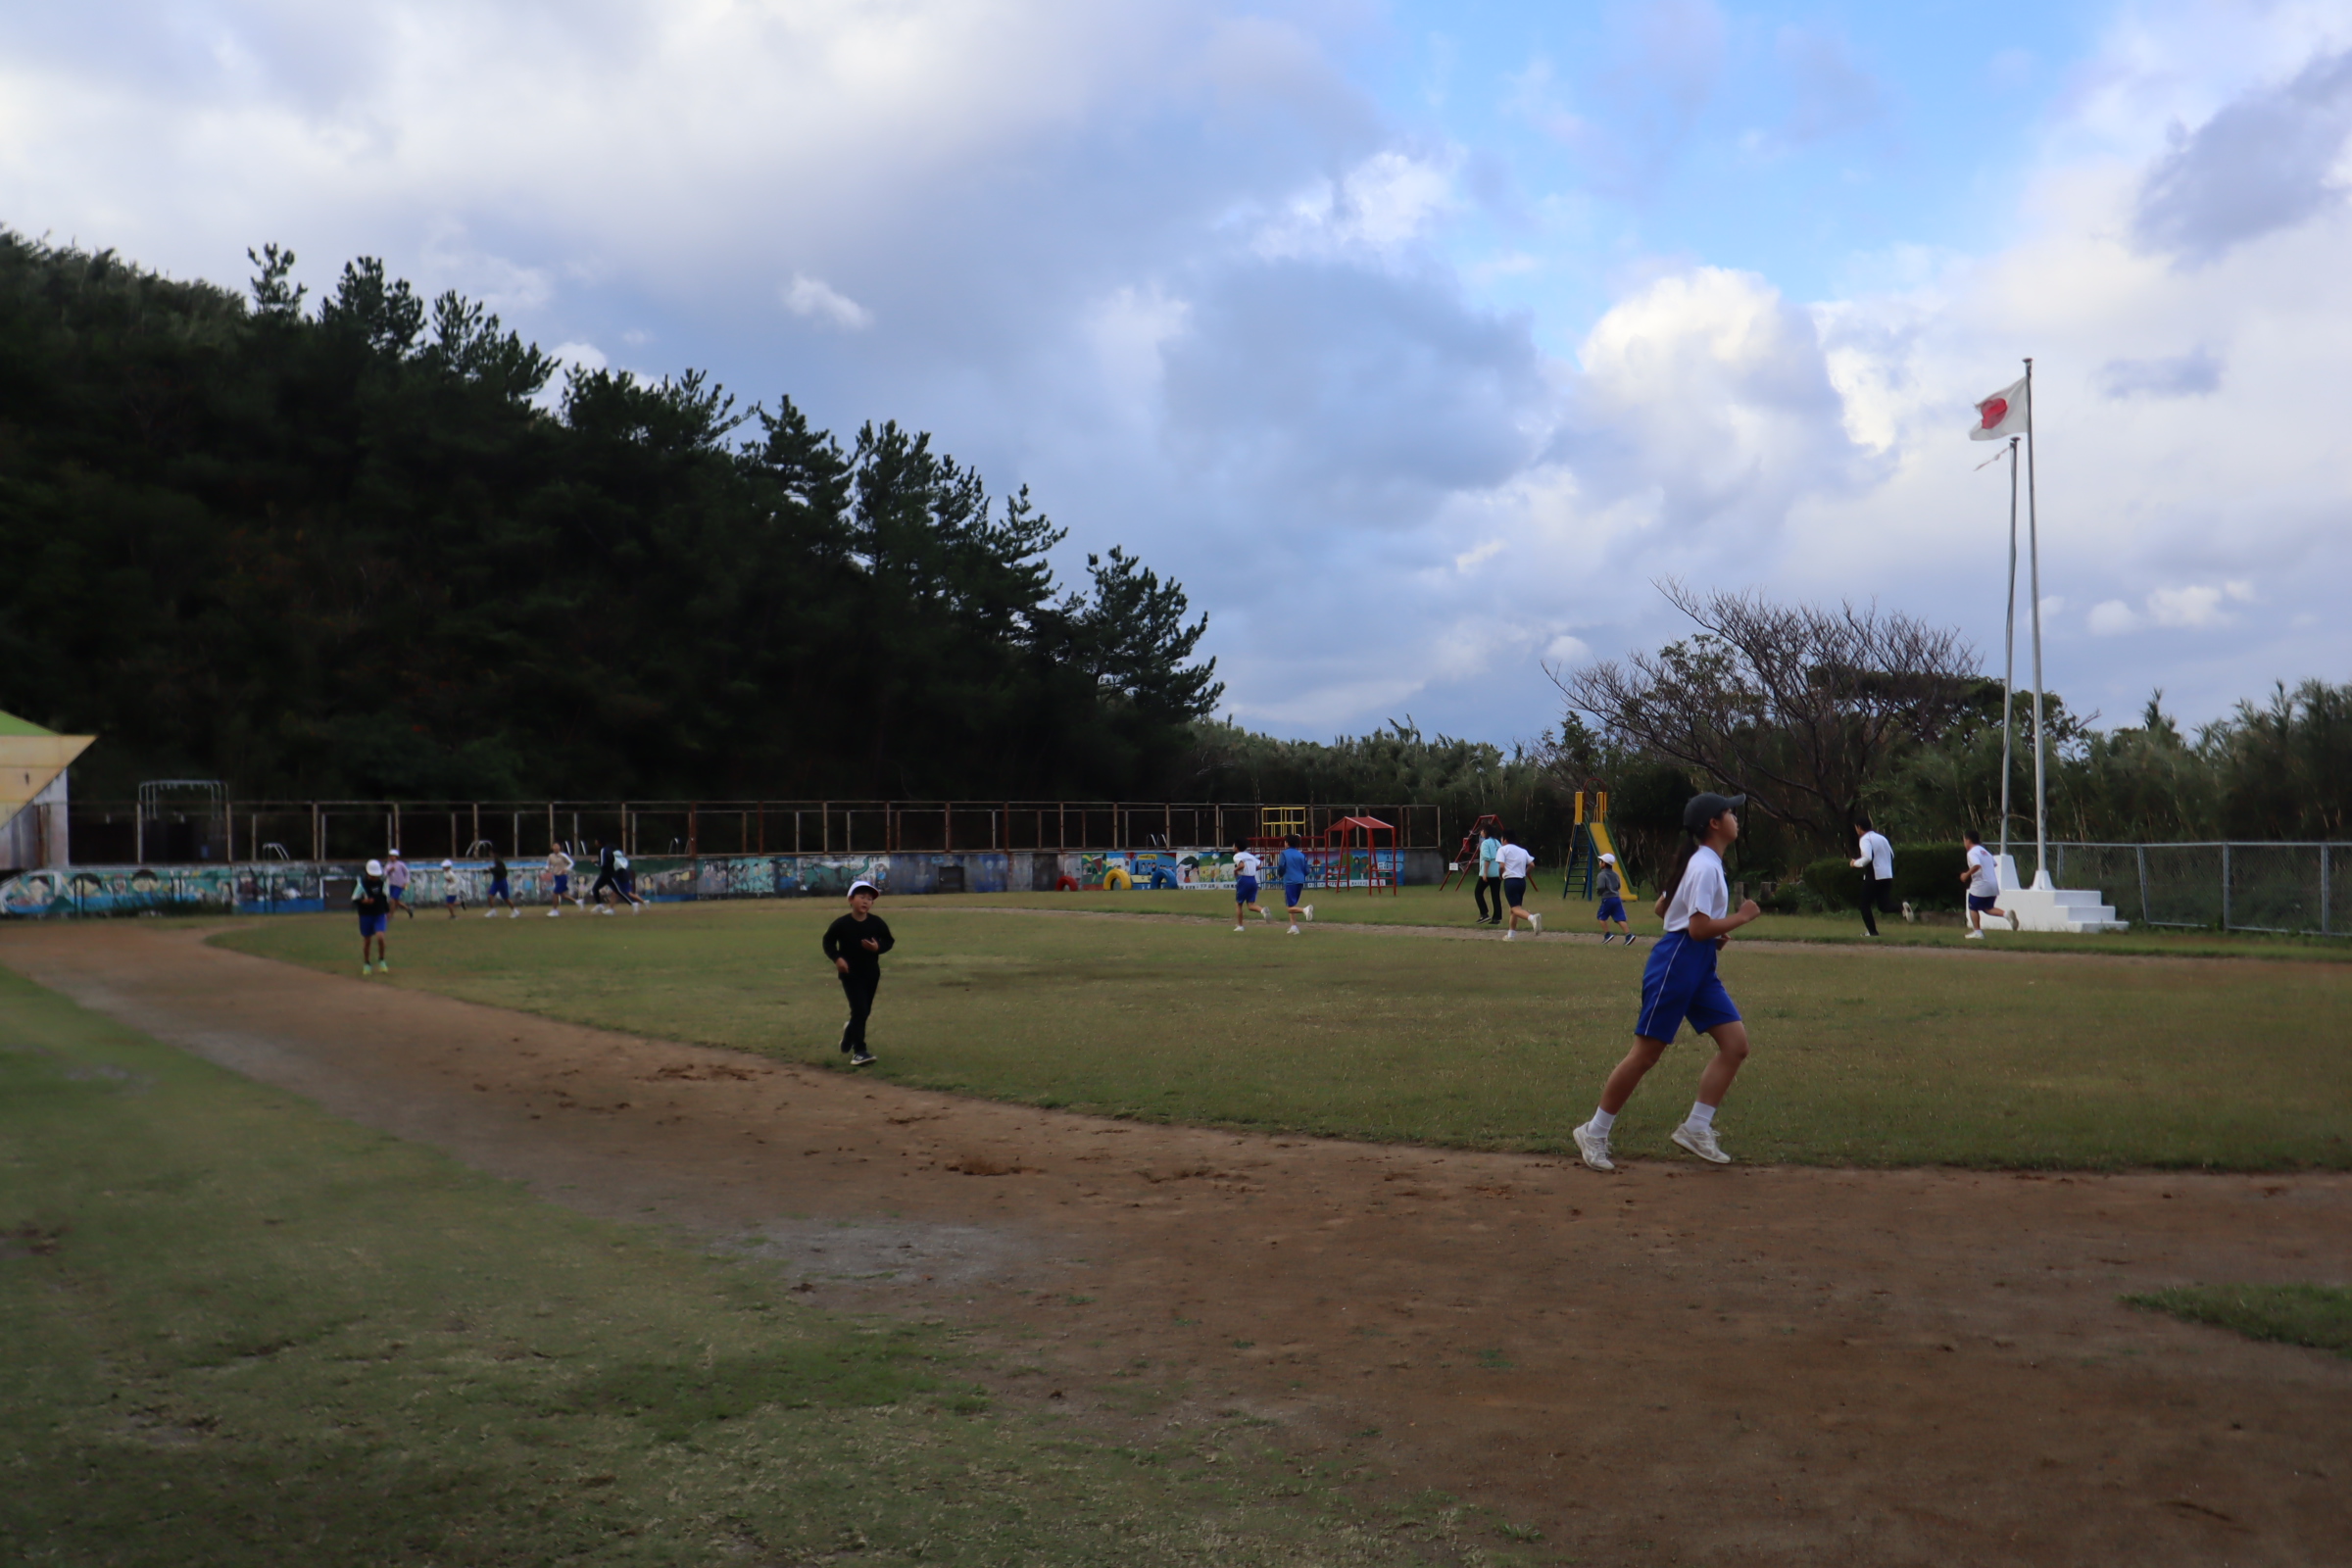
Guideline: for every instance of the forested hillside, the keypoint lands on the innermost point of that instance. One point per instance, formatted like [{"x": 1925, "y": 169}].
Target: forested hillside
[{"x": 366, "y": 549}]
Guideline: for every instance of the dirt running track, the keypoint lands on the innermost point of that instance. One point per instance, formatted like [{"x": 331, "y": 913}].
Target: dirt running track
[{"x": 1745, "y": 1366}]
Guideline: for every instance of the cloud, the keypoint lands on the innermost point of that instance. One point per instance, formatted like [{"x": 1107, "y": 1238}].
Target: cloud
[
  {"x": 2193, "y": 607},
  {"x": 2268, "y": 160},
  {"x": 820, "y": 301},
  {"x": 2192, "y": 375}
]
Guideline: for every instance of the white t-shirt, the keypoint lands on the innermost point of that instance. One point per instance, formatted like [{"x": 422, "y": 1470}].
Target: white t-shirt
[
  {"x": 1246, "y": 864},
  {"x": 1704, "y": 889},
  {"x": 1985, "y": 879},
  {"x": 1514, "y": 862},
  {"x": 1877, "y": 857},
  {"x": 559, "y": 864}
]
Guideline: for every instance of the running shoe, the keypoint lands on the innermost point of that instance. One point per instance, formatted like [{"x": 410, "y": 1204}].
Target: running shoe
[
  {"x": 1537, "y": 921},
  {"x": 863, "y": 1058},
  {"x": 1595, "y": 1146},
  {"x": 366, "y": 968},
  {"x": 1908, "y": 917},
  {"x": 603, "y": 908},
  {"x": 1294, "y": 930},
  {"x": 1307, "y": 909},
  {"x": 1973, "y": 936},
  {"x": 513, "y": 915},
  {"x": 2011, "y": 914},
  {"x": 1701, "y": 1141},
  {"x": 555, "y": 914},
  {"x": 1511, "y": 935},
  {"x": 383, "y": 966},
  {"x": 637, "y": 906},
  {"x": 489, "y": 914}
]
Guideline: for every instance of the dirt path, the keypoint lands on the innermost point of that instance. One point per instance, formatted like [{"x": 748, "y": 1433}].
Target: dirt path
[{"x": 1755, "y": 1365}]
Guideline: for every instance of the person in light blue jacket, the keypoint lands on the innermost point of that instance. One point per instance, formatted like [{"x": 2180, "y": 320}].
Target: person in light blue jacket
[
  {"x": 1489, "y": 877},
  {"x": 1292, "y": 868}
]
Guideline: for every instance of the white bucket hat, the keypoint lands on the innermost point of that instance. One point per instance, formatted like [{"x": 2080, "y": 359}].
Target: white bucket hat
[{"x": 375, "y": 869}]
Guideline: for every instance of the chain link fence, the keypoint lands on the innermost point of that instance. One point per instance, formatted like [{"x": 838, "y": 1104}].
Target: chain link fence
[{"x": 2290, "y": 889}]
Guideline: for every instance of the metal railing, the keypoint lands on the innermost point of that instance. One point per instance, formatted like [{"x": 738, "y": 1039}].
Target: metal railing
[
  {"x": 227, "y": 831},
  {"x": 2292, "y": 889}
]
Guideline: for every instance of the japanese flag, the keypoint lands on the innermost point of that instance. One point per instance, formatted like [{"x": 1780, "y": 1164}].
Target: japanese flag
[{"x": 2004, "y": 415}]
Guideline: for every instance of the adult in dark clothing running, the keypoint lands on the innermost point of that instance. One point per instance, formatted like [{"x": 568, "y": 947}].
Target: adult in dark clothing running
[
  {"x": 856, "y": 943},
  {"x": 608, "y": 877}
]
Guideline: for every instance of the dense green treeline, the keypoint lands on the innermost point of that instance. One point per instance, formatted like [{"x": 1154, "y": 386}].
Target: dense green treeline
[{"x": 371, "y": 548}]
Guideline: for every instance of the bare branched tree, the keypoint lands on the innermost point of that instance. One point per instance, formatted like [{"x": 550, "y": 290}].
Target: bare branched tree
[{"x": 1795, "y": 706}]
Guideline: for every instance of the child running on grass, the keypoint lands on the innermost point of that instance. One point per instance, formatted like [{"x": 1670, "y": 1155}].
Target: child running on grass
[
  {"x": 1984, "y": 881},
  {"x": 1612, "y": 888},
  {"x": 448, "y": 888},
  {"x": 856, "y": 943},
  {"x": 396, "y": 885},
  {"x": 1680, "y": 982},
  {"x": 1515, "y": 863},
  {"x": 1245, "y": 885},
  {"x": 374, "y": 901},
  {"x": 558, "y": 876},
  {"x": 1293, "y": 869},
  {"x": 498, "y": 891}
]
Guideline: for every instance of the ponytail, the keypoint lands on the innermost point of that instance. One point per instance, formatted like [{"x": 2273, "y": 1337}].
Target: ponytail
[{"x": 1682, "y": 863}]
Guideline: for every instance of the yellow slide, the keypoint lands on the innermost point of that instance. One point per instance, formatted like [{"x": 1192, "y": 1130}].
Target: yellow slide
[{"x": 1602, "y": 846}]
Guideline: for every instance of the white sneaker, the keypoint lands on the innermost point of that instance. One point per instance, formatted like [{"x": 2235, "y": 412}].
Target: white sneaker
[
  {"x": 1238, "y": 928},
  {"x": 603, "y": 908},
  {"x": 555, "y": 914},
  {"x": 1537, "y": 921},
  {"x": 1908, "y": 917},
  {"x": 1307, "y": 909},
  {"x": 1508, "y": 935},
  {"x": 513, "y": 915},
  {"x": 2011, "y": 916},
  {"x": 489, "y": 914},
  {"x": 1973, "y": 936},
  {"x": 1701, "y": 1141},
  {"x": 1595, "y": 1146},
  {"x": 1294, "y": 930}
]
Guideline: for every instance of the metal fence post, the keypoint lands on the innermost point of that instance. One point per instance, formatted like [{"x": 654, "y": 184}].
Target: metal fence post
[
  {"x": 2323, "y": 893},
  {"x": 2141, "y": 850},
  {"x": 2224, "y": 886}
]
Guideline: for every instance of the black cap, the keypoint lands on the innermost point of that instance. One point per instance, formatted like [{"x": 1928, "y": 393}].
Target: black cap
[{"x": 1705, "y": 809}]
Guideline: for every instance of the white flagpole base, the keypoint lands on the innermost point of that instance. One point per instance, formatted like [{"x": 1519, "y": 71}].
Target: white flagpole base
[{"x": 2044, "y": 907}]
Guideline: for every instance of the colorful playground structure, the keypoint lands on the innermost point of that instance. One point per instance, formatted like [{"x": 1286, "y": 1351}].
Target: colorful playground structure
[
  {"x": 1351, "y": 852},
  {"x": 1587, "y": 845}
]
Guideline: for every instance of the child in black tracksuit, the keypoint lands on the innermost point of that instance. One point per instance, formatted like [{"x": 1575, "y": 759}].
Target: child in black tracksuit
[{"x": 856, "y": 943}]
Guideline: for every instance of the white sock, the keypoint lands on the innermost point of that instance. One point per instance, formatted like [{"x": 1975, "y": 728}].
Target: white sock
[
  {"x": 1602, "y": 1121},
  {"x": 1702, "y": 1115}
]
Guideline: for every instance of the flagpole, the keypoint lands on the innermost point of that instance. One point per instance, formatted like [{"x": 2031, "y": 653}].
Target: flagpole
[
  {"x": 2041, "y": 798},
  {"x": 2009, "y": 656}
]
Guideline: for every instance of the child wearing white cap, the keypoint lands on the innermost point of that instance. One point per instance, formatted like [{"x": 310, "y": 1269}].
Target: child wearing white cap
[
  {"x": 856, "y": 943},
  {"x": 448, "y": 888},
  {"x": 373, "y": 902},
  {"x": 1612, "y": 888}
]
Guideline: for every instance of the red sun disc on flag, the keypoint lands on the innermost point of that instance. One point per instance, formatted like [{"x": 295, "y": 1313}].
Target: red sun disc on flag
[{"x": 1995, "y": 411}]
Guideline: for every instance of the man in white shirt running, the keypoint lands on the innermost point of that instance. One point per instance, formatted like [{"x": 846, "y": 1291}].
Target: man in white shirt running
[
  {"x": 1515, "y": 863},
  {"x": 1876, "y": 864},
  {"x": 1984, "y": 881}
]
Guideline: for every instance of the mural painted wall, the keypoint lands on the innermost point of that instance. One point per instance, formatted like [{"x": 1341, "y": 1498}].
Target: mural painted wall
[{"x": 297, "y": 887}]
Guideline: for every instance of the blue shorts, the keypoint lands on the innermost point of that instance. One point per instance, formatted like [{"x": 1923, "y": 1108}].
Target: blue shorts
[
  {"x": 1514, "y": 891},
  {"x": 1290, "y": 893},
  {"x": 1612, "y": 908},
  {"x": 373, "y": 925},
  {"x": 497, "y": 886},
  {"x": 397, "y": 894},
  {"x": 563, "y": 886},
  {"x": 1982, "y": 903},
  {"x": 1679, "y": 982},
  {"x": 1245, "y": 889}
]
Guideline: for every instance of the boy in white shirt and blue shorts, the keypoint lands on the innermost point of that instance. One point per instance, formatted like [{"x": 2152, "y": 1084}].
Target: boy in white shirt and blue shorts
[
  {"x": 1680, "y": 982},
  {"x": 1983, "y": 879},
  {"x": 1245, "y": 885}
]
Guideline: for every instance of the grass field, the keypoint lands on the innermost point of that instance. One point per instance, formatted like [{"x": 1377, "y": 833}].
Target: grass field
[
  {"x": 2317, "y": 1316},
  {"x": 1882, "y": 1057},
  {"x": 241, "y": 1332},
  {"x": 1427, "y": 906}
]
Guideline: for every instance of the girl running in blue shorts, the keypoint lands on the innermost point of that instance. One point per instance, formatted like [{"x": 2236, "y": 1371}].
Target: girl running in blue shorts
[{"x": 1680, "y": 982}]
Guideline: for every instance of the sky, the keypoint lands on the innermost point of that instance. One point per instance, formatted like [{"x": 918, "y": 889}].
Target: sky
[{"x": 1419, "y": 341}]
